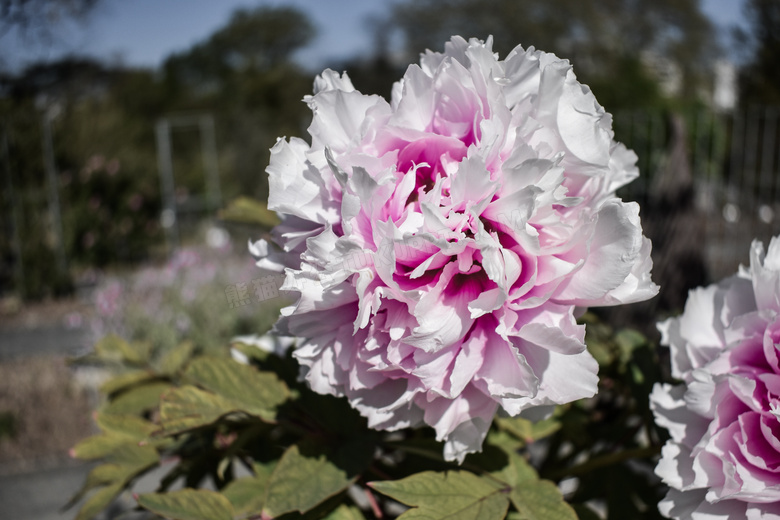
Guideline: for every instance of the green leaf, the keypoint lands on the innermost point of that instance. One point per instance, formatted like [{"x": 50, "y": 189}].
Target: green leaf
[
  {"x": 454, "y": 495},
  {"x": 99, "y": 501},
  {"x": 251, "y": 351},
  {"x": 138, "y": 399},
  {"x": 247, "y": 495},
  {"x": 132, "y": 427},
  {"x": 628, "y": 340},
  {"x": 517, "y": 471},
  {"x": 122, "y": 381},
  {"x": 501, "y": 439},
  {"x": 111, "y": 347},
  {"x": 123, "y": 464},
  {"x": 98, "y": 446},
  {"x": 301, "y": 481},
  {"x": 176, "y": 358},
  {"x": 114, "y": 348},
  {"x": 98, "y": 476},
  {"x": 529, "y": 431},
  {"x": 344, "y": 512},
  {"x": 247, "y": 210},
  {"x": 257, "y": 393},
  {"x": 540, "y": 500},
  {"x": 134, "y": 456},
  {"x": 188, "y": 407},
  {"x": 188, "y": 504}
]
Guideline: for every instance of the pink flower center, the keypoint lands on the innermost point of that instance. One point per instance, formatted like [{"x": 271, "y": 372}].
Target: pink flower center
[{"x": 434, "y": 156}]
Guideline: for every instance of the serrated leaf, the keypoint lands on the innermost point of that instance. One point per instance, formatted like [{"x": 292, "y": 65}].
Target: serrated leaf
[
  {"x": 517, "y": 471},
  {"x": 247, "y": 495},
  {"x": 250, "y": 351},
  {"x": 454, "y": 495},
  {"x": 98, "y": 446},
  {"x": 501, "y": 439},
  {"x": 255, "y": 392},
  {"x": 134, "y": 456},
  {"x": 99, "y": 501},
  {"x": 123, "y": 464},
  {"x": 540, "y": 500},
  {"x": 189, "y": 407},
  {"x": 138, "y": 399},
  {"x": 188, "y": 504},
  {"x": 131, "y": 427},
  {"x": 114, "y": 348},
  {"x": 98, "y": 476},
  {"x": 110, "y": 347},
  {"x": 302, "y": 481},
  {"x": 344, "y": 512},
  {"x": 124, "y": 380},
  {"x": 529, "y": 431},
  {"x": 176, "y": 358},
  {"x": 113, "y": 447}
]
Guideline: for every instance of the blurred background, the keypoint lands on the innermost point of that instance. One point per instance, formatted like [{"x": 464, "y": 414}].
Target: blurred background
[{"x": 128, "y": 130}]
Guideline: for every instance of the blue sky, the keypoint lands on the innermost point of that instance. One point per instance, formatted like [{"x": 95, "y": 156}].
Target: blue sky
[{"x": 144, "y": 32}]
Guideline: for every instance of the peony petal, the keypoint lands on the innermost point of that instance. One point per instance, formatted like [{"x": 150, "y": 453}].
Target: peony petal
[
  {"x": 615, "y": 248},
  {"x": 441, "y": 244}
]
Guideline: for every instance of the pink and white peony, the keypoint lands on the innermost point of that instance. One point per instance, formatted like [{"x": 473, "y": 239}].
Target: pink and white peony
[
  {"x": 441, "y": 242},
  {"x": 723, "y": 459}
]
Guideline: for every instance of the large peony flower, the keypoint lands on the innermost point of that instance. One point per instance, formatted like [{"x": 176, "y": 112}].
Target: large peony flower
[
  {"x": 723, "y": 459},
  {"x": 441, "y": 242}
]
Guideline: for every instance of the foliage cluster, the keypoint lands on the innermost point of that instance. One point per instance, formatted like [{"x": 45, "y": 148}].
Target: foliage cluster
[
  {"x": 622, "y": 48},
  {"x": 239, "y": 436}
]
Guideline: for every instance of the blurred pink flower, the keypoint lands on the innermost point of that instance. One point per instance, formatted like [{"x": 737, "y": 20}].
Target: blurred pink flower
[
  {"x": 73, "y": 320},
  {"x": 107, "y": 299},
  {"x": 112, "y": 167},
  {"x": 136, "y": 201},
  {"x": 441, "y": 242},
  {"x": 723, "y": 459},
  {"x": 88, "y": 240}
]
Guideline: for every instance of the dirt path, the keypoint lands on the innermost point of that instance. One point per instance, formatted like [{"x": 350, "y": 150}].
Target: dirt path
[{"x": 44, "y": 410}]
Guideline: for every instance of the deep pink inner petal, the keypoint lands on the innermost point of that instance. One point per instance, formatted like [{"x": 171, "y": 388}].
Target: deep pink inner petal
[{"x": 436, "y": 151}]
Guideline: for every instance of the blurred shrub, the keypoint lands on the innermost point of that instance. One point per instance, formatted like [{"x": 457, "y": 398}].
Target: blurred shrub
[
  {"x": 184, "y": 298},
  {"x": 111, "y": 214}
]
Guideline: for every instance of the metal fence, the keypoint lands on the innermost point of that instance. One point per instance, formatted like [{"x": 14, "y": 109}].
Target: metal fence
[{"x": 728, "y": 163}]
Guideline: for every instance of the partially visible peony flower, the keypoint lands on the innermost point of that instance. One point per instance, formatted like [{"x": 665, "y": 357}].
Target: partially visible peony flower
[
  {"x": 723, "y": 459},
  {"x": 441, "y": 242}
]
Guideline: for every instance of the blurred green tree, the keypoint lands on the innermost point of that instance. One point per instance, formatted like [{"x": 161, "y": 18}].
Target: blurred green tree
[
  {"x": 104, "y": 144},
  {"x": 759, "y": 80},
  {"x": 244, "y": 73},
  {"x": 37, "y": 22},
  {"x": 612, "y": 42},
  {"x": 105, "y": 169}
]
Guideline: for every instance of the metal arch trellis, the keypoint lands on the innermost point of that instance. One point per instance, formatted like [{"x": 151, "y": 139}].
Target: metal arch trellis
[{"x": 170, "y": 209}]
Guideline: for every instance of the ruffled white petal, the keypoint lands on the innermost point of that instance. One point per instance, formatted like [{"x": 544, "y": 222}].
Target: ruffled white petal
[{"x": 440, "y": 243}]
